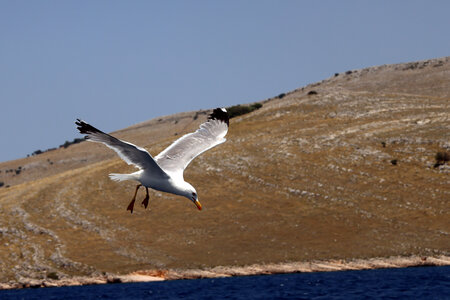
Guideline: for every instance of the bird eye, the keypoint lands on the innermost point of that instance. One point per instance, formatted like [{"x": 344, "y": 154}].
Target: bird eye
[{"x": 194, "y": 194}]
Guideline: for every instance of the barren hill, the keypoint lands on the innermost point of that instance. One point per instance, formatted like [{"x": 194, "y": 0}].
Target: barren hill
[{"x": 339, "y": 169}]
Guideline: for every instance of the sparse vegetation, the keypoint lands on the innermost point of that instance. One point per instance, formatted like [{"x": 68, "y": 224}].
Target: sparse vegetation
[
  {"x": 237, "y": 110},
  {"x": 65, "y": 145},
  {"x": 313, "y": 92}
]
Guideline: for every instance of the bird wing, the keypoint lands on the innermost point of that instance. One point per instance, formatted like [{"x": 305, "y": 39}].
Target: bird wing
[
  {"x": 175, "y": 158},
  {"x": 131, "y": 154}
]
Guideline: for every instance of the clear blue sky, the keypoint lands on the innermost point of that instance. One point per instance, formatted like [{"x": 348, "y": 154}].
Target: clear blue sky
[{"x": 117, "y": 63}]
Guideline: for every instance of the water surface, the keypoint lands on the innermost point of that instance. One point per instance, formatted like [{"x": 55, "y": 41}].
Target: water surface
[{"x": 413, "y": 283}]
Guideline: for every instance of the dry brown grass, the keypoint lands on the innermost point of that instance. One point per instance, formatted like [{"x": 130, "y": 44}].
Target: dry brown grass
[{"x": 303, "y": 178}]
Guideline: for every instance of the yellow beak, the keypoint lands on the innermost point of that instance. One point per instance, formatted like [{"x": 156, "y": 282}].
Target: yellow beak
[{"x": 197, "y": 203}]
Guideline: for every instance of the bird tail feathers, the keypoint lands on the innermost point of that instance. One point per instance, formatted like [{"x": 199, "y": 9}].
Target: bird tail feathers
[{"x": 121, "y": 177}]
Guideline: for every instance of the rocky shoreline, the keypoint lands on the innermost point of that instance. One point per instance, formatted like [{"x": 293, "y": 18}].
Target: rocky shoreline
[{"x": 229, "y": 271}]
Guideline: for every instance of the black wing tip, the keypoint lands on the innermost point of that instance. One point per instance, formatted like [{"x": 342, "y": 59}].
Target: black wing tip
[
  {"x": 220, "y": 114},
  {"x": 86, "y": 128}
]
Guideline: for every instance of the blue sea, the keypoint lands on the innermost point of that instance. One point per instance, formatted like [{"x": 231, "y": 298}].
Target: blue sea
[{"x": 407, "y": 283}]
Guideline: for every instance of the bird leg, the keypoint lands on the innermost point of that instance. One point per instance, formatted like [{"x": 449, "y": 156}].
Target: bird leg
[
  {"x": 131, "y": 205},
  {"x": 145, "y": 202}
]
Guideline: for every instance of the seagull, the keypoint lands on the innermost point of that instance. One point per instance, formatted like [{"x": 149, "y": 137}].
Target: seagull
[{"x": 165, "y": 171}]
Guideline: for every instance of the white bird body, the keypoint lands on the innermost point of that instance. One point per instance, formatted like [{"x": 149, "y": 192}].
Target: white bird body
[
  {"x": 163, "y": 184},
  {"x": 165, "y": 171}
]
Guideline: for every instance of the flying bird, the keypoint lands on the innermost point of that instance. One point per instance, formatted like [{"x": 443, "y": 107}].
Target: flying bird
[{"x": 165, "y": 171}]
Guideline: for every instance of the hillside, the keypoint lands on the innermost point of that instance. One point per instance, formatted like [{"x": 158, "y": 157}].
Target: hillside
[{"x": 343, "y": 172}]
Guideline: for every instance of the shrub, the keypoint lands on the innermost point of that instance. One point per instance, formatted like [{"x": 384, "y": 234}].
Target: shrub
[
  {"x": 281, "y": 96},
  {"x": 66, "y": 144},
  {"x": 53, "y": 275},
  {"x": 441, "y": 158},
  {"x": 312, "y": 92},
  {"x": 394, "y": 162},
  {"x": 237, "y": 110},
  {"x": 256, "y": 106},
  {"x": 2, "y": 183},
  {"x": 37, "y": 152}
]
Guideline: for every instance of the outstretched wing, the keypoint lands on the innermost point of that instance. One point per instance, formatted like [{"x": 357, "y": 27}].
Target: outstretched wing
[
  {"x": 131, "y": 154},
  {"x": 175, "y": 158}
]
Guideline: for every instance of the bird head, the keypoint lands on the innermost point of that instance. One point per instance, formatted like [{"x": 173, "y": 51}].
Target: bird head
[
  {"x": 194, "y": 199},
  {"x": 191, "y": 194}
]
